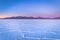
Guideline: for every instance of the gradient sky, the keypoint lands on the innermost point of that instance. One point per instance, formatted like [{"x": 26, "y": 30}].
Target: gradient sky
[{"x": 29, "y": 7}]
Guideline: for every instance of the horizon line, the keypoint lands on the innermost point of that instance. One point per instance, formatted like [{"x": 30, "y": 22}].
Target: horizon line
[{"x": 32, "y": 17}]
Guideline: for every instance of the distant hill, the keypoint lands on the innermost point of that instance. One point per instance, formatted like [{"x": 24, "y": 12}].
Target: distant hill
[{"x": 24, "y": 17}]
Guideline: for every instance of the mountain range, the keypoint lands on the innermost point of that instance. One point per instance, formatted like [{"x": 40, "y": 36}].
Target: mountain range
[{"x": 24, "y": 17}]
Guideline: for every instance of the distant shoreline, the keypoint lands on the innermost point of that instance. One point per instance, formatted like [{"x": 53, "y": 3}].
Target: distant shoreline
[
  {"x": 24, "y": 17},
  {"x": 42, "y": 19}
]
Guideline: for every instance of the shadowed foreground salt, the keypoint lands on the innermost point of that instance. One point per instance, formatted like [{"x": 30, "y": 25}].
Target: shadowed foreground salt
[{"x": 29, "y": 29}]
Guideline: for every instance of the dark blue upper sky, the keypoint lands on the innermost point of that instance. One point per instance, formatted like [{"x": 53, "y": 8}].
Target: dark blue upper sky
[{"x": 11, "y": 7}]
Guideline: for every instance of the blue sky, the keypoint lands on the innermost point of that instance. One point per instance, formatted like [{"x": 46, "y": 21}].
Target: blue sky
[{"x": 30, "y": 7}]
